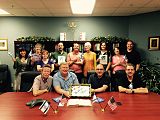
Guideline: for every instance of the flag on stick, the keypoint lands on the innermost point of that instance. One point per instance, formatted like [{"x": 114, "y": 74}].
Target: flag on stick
[
  {"x": 44, "y": 107},
  {"x": 63, "y": 100},
  {"x": 112, "y": 103}
]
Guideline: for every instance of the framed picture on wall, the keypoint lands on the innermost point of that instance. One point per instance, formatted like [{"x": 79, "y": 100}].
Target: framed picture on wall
[
  {"x": 3, "y": 44},
  {"x": 154, "y": 43}
]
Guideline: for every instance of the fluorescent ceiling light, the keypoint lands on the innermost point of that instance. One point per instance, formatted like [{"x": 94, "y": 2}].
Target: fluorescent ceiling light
[
  {"x": 82, "y": 6},
  {"x": 3, "y": 12}
]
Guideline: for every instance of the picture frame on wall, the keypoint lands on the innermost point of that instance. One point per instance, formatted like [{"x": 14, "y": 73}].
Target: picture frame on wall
[
  {"x": 3, "y": 44},
  {"x": 154, "y": 43}
]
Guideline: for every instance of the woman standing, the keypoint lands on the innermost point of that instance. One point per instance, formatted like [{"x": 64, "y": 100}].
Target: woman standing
[
  {"x": 21, "y": 64},
  {"x": 36, "y": 56},
  {"x": 104, "y": 53},
  {"x": 89, "y": 59},
  {"x": 118, "y": 61},
  {"x": 45, "y": 60},
  {"x": 118, "y": 67}
]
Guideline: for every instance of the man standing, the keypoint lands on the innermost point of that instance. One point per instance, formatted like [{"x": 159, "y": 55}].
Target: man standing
[
  {"x": 59, "y": 56},
  {"x": 132, "y": 55},
  {"x": 99, "y": 81},
  {"x": 63, "y": 79},
  {"x": 75, "y": 61},
  {"x": 43, "y": 83},
  {"x": 130, "y": 82}
]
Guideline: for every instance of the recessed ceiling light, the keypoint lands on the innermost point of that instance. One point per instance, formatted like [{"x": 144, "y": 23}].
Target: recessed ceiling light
[
  {"x": 82, "y": 6},
  {"x": 3, "y": 12}
]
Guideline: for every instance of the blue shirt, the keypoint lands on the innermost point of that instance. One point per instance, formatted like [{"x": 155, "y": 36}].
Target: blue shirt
[
  {"x": 41, "y": 63},
  {"x": 58, "y": 80}
]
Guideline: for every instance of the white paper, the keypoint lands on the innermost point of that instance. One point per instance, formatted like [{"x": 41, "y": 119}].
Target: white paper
[
  {"x": 82, "y": 36},
  {"x": 79, "y": 102},
  {"x": 103, "y": 59},
  {"x": 81, "y": 91},
  {"x": 63, "y": 36},
  {"x": 61, "y": 59}
]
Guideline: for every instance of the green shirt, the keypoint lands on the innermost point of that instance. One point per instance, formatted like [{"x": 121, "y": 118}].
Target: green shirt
[{"x": 54, "y": 55}]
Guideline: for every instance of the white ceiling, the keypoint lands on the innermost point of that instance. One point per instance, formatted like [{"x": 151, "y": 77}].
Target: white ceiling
[{"x": 61, "y": 8}]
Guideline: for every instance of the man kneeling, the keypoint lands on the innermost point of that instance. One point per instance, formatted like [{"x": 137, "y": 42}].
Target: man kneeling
[
  {"x": 99, "y": 81},
  {"x": 130, "y": 82},
  {"x": 43, "y": 83}
]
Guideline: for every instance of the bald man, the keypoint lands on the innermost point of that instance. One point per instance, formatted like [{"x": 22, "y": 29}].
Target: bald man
[{"x": 99, "y": 81}]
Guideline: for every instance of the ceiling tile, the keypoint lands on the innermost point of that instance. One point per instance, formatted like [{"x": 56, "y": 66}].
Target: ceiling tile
[{"x": 62, "y": 7}]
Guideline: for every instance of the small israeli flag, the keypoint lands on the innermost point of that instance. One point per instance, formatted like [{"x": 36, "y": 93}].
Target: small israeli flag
[{"x": 44, "y": 107}]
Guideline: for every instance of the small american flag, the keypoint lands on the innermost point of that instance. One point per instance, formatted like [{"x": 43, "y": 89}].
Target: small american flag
[{"x": 112, "y": 103}]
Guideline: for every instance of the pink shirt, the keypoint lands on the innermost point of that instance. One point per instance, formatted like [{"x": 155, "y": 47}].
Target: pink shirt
[
  {"x": 77, "y": 58},
  {"x": 116, "y": 59}
]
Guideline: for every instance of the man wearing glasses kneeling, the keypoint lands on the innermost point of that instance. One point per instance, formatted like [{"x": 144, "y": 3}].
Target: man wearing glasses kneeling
[{"x": 99, "y": 81}]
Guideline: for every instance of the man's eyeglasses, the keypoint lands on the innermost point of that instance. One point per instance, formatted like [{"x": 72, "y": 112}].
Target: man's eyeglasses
[{"x": 99, "y": 69}]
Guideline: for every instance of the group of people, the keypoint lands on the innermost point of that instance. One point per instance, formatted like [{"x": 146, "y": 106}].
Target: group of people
[
  {"x": 59, "y": 70},
  {"x": 100, "y": 81}
]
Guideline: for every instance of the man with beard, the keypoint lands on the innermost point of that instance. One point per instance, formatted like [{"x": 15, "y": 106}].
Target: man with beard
[
  {"x": 132, "y": 55},
  {"x": 130, "y": 82},
  {"x": 59, "y": 56}
]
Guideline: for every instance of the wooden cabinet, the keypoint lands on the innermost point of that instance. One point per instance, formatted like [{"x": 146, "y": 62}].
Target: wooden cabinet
[
  {"x": 29, "y": 45},
  {"x": 51, "y": 46}
]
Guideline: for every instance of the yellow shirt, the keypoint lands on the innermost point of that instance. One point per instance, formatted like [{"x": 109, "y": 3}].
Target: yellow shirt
[{"x": 89, "y": 62}]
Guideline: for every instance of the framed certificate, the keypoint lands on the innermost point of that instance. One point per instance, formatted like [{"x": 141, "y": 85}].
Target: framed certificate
[
  {"x": 61, "y": 59},
  {"x": 3, "y": 44},
  {"x": 103, "y": 59},
  {"x": 82, "y": 90},
  {"x": 154, "y": 43}
]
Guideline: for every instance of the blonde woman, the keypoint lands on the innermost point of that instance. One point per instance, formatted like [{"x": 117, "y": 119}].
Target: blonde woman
[{"x": 89, "y": 59}]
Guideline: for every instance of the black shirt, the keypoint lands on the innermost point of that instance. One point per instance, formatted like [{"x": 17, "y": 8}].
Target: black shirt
[
  {"x": 133, "y": 57},
  {"x": 136, "y": 82},
  {"x": 98, "y": 82}
]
